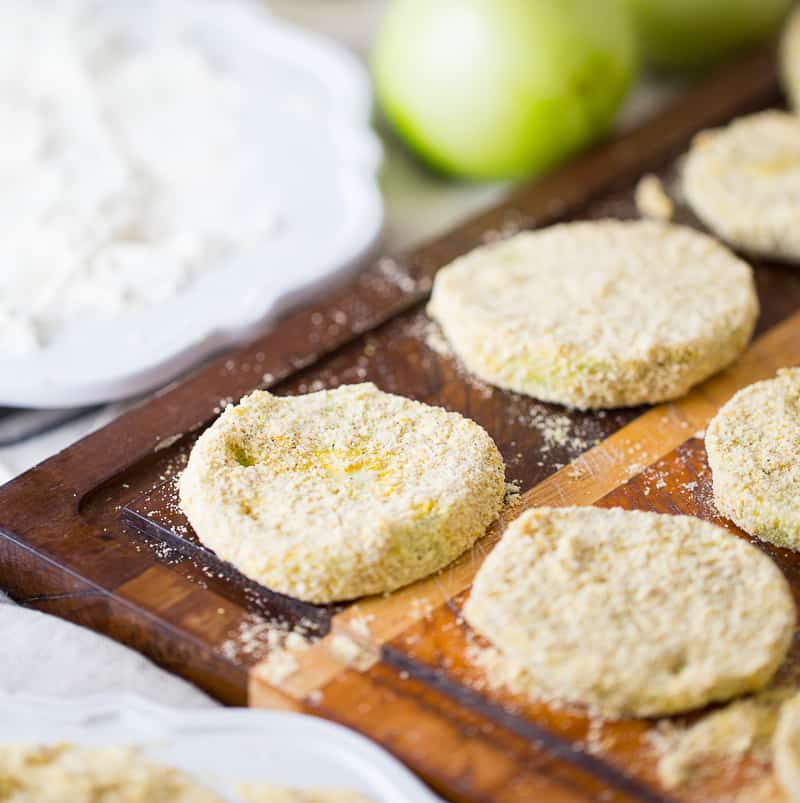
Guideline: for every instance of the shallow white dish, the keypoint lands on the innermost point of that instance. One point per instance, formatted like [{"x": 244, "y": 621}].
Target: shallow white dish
[
  {"x": 220, "y": 747},
  {"x": 332, "y": 214}
]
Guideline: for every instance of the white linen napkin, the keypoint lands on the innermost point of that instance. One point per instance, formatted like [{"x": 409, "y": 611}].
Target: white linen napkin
[{"x": 45, "y": 655}]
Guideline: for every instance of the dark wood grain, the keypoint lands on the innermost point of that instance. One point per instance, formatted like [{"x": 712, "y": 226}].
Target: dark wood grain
[
  {"x": 94, "y": 534},
  {"x": 464, "y": 753}
]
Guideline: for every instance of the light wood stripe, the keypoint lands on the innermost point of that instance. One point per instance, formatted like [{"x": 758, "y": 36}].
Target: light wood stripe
[{"x": 589, "y": 478}]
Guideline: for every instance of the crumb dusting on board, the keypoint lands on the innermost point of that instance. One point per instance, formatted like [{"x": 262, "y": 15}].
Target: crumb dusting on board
[
  {"x": 500, "y": 673},
  {"x": 350, "y": 652},
  {"x": 652, "y": 199},
  {"x": 360, "y": 624},
  {"x": 513, "y": 495},
  {"x": 429, "y": 332},
  {"x": 272, "y": 642},
  {"x": 720, "y": 742},
  {"x": 391, "y": 274},
  {"x": 557, "y": 430},
  {"x": 513, "y": 223}
]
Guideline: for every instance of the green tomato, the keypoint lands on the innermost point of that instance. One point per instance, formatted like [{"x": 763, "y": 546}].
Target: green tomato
[
  {"x": 502, "y": 88},
  {"x": 688, "y": 35}
]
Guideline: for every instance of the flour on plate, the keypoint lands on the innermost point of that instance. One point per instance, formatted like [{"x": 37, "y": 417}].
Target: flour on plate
[{"x": 127, "y": 165}]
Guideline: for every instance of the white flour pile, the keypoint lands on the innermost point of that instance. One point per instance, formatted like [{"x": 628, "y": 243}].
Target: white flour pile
[{"x": 129, "y": 164}]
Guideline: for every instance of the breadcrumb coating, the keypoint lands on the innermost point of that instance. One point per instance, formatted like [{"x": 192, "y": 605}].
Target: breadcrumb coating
[
  {"x": 786, "y": 749},
  {"x": 598, "y": 314},
  {"x": 342, "y": 493},
  {"x": 64, "y": 773},
  {"x": 743, "y": 182},
  {"x": 790, "y": 59},
  {"x": 632, "y": 613},
  {"x": 753, "y": 444}
]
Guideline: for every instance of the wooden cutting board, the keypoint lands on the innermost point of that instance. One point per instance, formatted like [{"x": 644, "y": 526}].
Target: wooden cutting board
[{"x": 94, "y": 534}]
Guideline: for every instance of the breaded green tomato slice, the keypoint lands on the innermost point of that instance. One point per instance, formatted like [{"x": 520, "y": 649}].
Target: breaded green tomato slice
[
  {"x": 743, "y": 182},
  {"x": 342, "y": 493},
  {"x": 753, "y": 446},
  {"x": 632, "y": 613},
  {"x": 597, "y": 314},
  {"x": 65, "y": 773},
  {"x": 786, "y": 749},
  {"x": 790, "y": 59}
]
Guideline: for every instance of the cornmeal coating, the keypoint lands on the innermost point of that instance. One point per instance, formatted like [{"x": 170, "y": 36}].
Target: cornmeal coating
[
  {"x": 753, "y": 446},
  {"x": 786, "y": 749},
  {"x": 342, "y": 493},
  {"x": 63, "y": 773},
  {"x": 632, "y": 613},
  {"x": 598, "y": 314},
  {"x": 790, "y": 59},
  {"x": 743, "y": 182}
]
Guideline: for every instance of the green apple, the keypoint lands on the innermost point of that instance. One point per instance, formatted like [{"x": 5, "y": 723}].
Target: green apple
[
  {"x": 692, "y": 34},
  {"x": 502, "y": 88}
]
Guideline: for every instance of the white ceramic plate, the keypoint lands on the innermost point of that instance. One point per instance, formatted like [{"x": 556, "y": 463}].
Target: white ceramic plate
[
  {"x": 220, "y": 747},
  {"x": 325, "y": 176}
]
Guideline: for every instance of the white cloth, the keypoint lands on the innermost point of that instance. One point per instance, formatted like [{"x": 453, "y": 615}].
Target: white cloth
[{"x": 43, "y": 654}]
